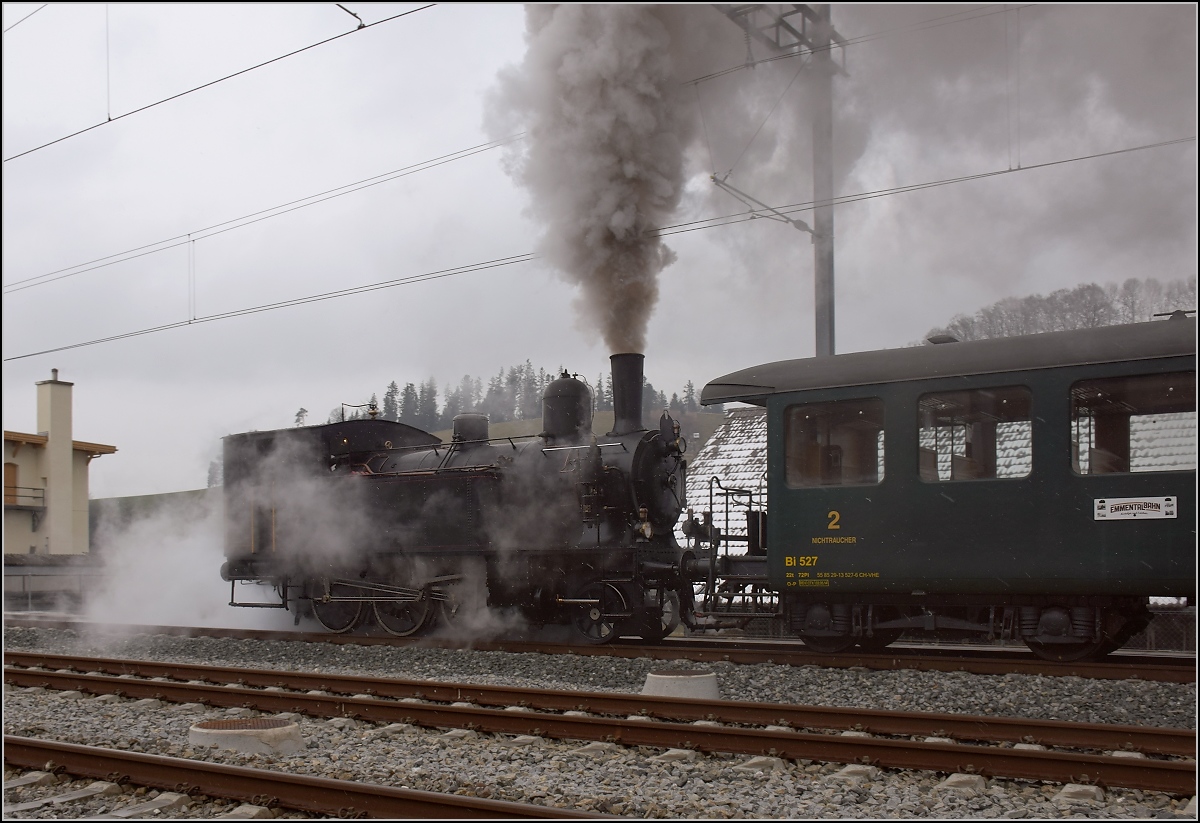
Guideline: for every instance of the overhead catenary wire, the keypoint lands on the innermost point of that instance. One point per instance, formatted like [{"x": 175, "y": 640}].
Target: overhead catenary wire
[
  {"x": 741, "y": 217},
  {"x": 112, "y": 119},
  {"x": 663, "y": 231},
  {"x": 254, "y": 217},
  {"x": 298, "y": 301},
  {"x": 803, "y": 65},
  {"x": 26, "y": 17}
]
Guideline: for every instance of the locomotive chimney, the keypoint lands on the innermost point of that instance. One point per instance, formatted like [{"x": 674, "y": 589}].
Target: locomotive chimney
[{"x": 627, "y": 392}]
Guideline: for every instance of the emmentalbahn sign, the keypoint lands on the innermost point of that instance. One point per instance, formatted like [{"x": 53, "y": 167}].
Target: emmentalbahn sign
[{"x": 1135, "y": 508}]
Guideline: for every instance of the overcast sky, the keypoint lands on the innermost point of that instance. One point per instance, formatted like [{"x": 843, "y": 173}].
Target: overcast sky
[{"x": 931, "y": 93}]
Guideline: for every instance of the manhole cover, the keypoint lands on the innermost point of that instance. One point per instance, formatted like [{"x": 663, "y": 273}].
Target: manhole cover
[{"x": 242, "y": 724}]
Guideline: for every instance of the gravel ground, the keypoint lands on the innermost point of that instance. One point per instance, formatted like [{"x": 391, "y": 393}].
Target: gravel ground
[{"x": 618, "y": 780}]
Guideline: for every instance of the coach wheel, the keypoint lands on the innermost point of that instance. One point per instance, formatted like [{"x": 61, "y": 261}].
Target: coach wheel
[
  {"x": 828, "y": 645},
  {"x": 336, "y": 614},
  {"x": 879, "y": 641},
  {"x": 1131, "y": 625},
  {"x": 598, "y": 622},
  {"x": 403, "y": 617}
]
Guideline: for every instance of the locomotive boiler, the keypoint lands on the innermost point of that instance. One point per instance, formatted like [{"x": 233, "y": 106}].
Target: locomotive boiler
[{"x": 376, "y": 519}]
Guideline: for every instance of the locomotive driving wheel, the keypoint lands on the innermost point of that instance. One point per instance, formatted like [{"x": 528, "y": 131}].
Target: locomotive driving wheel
[
  {"x": 596, "y": 622},
  {"x": 404, "y": 617},
  {"x": 668, "y": 619},
  {"x": 338, "y": 607}
]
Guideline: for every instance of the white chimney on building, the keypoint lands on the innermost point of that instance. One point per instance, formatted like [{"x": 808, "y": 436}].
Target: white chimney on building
[{"x": 54, "y": 421}]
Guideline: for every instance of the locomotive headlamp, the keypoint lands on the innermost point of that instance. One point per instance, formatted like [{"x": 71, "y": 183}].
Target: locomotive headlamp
[{"x": 643, "y": 529}]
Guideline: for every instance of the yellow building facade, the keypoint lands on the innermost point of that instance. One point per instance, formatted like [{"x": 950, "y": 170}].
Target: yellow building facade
[{"x": 46, "y": 479}]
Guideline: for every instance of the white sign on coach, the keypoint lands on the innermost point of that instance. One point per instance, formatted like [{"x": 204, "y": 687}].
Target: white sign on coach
[{"x": 1136, "y": 508}]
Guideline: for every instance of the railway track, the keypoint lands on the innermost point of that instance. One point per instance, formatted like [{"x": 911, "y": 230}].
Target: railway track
[
  {"x": 975, "y": 660},
  {"x": 260, "y": 787},
  {"x": 935, "y": 742}
]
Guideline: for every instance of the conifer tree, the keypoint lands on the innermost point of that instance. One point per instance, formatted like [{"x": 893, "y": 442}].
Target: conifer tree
[
  {"x": 390, "y": 409},
  {"x": 407, "y": 411},
  {"x": 689, "y": 397}
]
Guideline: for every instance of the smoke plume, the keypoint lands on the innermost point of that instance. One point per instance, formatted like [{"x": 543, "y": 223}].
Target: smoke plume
[{"x": 607, "y": 128}]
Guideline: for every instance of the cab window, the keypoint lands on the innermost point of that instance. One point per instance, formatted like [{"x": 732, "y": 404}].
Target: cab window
[
  {"x": 834, "y": 444},
  {"x": 979, "y": 434},
  {"x": 1143, "y": 423}
]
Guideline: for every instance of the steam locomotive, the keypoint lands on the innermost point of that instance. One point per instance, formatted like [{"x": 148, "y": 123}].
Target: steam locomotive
[{"x": 376, "y": 518}]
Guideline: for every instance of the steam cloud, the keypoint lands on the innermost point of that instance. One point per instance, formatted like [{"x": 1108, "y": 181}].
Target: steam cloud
[{"x": 605, "y": 156}]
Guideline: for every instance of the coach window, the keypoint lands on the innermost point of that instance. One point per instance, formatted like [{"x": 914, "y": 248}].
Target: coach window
[
  {"x": 1144, "y": 423},
  {"x": 835, "y": 444},
  {"x": 978, "y": 434}
]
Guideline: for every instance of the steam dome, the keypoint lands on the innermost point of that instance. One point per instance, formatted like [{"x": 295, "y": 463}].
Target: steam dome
[{"x": 566, "y": 408}]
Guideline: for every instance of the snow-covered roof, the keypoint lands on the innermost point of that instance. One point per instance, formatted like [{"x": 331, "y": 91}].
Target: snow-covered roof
[{"x": 736, "y": 455}]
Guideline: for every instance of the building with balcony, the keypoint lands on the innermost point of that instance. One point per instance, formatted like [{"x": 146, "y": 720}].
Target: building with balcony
[{"x": 46, "y": 479}]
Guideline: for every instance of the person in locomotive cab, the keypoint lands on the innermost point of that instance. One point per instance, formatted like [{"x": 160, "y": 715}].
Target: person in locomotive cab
[
  {"x": 694, "y": 528},
  {"x": 643, "y": 531}
]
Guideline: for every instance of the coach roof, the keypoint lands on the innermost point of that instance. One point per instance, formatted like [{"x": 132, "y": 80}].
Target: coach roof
[{"x": 1109, "y": 344}]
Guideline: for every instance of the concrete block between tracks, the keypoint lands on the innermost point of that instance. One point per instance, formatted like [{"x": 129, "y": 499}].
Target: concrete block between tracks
[
  {"x": 107, "y": 698},
  {"x": 1122, "y": 753},
  {"x": 457, "y": 735},
  {"x": 71, "y": 695},
  {"x": 1190, "y": 809},
  {"x": 854, "y": 774},
  {"x": 278, "y": 740},
  {"x": 675, "y": 756},
  {"x": 972, "y": 783},
  {"x": 1073, "y": 792},
  {"x": 1030, "y": 747},
  {"x": 247, "y": 812}
]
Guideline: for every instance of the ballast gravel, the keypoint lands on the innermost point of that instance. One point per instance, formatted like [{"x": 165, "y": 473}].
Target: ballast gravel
[{"x": 618, "y": 780}]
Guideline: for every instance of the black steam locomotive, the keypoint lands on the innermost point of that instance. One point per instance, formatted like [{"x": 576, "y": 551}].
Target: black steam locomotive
[{"x": 373, "y": 517}]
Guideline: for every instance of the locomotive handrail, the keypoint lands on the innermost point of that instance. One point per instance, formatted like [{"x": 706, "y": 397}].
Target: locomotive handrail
[{"x": 586, "y": 446}]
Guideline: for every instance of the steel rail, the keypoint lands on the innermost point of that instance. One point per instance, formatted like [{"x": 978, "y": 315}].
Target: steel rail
[
  {"x": 1152, "y": 740},
  {"x": 320, "y": 795},
  {"x": 1171, "y": 776},
  {"x": 743, "y": 650}
]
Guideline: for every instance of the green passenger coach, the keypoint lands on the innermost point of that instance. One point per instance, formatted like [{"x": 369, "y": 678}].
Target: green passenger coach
[{"x": 1039, "y": 487}]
